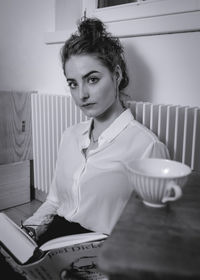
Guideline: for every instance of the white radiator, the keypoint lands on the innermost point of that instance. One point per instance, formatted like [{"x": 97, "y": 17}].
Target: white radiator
[
  {"x": 51, "y": 115},
  {"x": 177, "y": 126}
]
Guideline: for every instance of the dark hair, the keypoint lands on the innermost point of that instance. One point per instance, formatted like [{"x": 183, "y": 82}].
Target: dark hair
[{"x": 92, "y": 38}]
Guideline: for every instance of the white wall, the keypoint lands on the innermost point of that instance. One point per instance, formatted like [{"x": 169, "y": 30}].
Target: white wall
[
  {"x": 165, "y": 68},
  {"x": 67, "y": 13},
  {"x": 26, "y": 62}
]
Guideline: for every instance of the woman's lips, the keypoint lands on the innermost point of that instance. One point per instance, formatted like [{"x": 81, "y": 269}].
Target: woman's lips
[{"x": 87, "y": 105}]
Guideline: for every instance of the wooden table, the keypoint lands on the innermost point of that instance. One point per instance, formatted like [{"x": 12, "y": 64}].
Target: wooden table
[{"x": 149, "y": 243}]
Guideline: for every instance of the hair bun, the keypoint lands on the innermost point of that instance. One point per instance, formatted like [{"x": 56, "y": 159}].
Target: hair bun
[{"x": 92, "y": 28}]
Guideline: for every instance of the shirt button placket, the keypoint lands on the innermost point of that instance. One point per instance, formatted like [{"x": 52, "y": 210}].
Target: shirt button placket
[{"x": 76, "y": 187}]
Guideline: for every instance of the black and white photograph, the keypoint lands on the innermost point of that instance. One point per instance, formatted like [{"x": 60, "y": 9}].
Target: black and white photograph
[{"x": 100, "y": 139}]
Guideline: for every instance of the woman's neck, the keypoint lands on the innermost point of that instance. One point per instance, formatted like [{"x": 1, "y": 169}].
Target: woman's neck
[{"x": 101, "y": 123}]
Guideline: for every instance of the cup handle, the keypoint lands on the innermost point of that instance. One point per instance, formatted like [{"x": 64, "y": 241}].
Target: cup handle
[{"x": 177, "y": 192}]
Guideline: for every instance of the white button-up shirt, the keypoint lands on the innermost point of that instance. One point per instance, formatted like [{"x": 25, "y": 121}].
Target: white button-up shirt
[{"x": 93, "y": 190}]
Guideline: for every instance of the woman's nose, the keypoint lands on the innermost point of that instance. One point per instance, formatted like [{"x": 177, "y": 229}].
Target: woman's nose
[{"x": 83, "y": 92}]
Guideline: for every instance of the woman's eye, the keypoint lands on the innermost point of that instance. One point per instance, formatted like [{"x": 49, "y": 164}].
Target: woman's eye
[
  {"x": 72, "y": 85},
  {"x": 93, "y": 80}
]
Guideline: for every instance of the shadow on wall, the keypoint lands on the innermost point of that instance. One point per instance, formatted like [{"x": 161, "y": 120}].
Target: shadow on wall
[{"x": 140, "y": 86}]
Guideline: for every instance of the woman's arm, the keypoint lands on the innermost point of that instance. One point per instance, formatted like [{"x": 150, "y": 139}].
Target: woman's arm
[{"x": 38, "y": 223}]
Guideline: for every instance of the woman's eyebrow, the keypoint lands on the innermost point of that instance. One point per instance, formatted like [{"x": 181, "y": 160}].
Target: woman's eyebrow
[
  {"x": 70, "y": 80},
  {"x": 84, "y": 76},
  {"x": 89, "y": 73}
]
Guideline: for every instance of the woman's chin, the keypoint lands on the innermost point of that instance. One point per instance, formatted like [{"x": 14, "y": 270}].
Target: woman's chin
[{"x": 90, "y": 113}]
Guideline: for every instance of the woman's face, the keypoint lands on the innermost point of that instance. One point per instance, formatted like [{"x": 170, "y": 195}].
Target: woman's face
[{"x": 92, "y": 85}]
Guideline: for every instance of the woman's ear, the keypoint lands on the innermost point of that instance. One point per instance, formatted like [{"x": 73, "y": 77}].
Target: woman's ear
[{"x": 118, "y": 74}]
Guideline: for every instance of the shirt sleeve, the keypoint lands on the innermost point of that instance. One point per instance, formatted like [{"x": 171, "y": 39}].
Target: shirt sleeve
[
  {"x": 44, "y": 215},
  {"x": 156, "y": 149},
  {"x": 40, "y": 220}
]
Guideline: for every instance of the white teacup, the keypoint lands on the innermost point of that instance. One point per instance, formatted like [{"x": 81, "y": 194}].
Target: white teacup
[{"x": 158, "y": 181}]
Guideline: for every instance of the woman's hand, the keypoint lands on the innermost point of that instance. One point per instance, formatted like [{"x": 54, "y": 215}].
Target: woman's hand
[{"x": 30, "y": 231}]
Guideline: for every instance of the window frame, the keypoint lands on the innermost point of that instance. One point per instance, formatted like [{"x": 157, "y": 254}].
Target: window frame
[
  {"x": 154, "y": 17},
  {"x": 140, "y": 9},
  {"x": 147, "y": 18}
]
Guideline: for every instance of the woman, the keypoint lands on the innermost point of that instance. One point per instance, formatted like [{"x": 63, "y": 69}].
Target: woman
[{"x": 91, "y": 184}]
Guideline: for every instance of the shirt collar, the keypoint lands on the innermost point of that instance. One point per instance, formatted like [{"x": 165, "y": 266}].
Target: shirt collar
[{"x": 116, "y": 127}]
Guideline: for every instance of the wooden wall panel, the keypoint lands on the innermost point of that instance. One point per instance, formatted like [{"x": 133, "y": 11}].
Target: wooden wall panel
[
  {"x": 15, "y": 127},
  {"x": 14, "y": 184}
]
